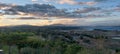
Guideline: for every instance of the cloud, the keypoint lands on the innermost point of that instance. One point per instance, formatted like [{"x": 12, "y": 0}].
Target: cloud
[
  {"x": 72, "y": 2},
  {"x": 4, "y": 6},
  {"x": 31, "y": 8},
  {"x": 117, "y": 8},
  {"x": 37, "y": 22},
  {"x": 87, "y": 3},
  {"x": 100, "y": 0},
  {"x": 62, "y": 1},
  {"x": 34, "y": 0},
  {"x": 46, "y": 10},
  {"x": 25, "y": 18},
  {"x": 88, "y": 9},
  {"x": 67, "y": 1}
]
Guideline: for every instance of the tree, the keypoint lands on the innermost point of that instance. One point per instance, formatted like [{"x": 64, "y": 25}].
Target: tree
[
  {"x": 73, "y": 49},
  {"x": 14, "y": 38},
  {"x": 35, "y": 42}
]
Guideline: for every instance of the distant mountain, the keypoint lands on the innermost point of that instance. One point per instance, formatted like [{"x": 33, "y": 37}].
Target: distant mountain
[{"x": 64, "y": 27}]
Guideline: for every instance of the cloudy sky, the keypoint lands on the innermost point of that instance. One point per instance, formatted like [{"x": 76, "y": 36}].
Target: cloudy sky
[{"x": 66, "y": 12}]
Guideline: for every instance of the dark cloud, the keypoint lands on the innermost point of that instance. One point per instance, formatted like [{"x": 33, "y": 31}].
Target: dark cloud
[
  {"x": 37, "y": 9},
  {"x": 47, "y": 10},
  {"x": 29, "y": 18},
  {"x": 2, "y": 5},
  {"x": 31, "y": 8},
  {"x": 25, "y": 18},
  {"x": 87, "y": 9}
]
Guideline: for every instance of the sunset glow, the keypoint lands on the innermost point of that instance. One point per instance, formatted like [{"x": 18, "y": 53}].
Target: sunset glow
[{"x": 66, "y": 12}]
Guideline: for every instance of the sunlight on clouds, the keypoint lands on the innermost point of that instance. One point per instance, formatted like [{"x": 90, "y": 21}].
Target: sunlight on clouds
[
  {"x": 107, "y": 21},
  {"x": 1, "y": 17},
  {"x": 4, "y": 8},
  {"x": 21, "y": 13},
  {"x": 67, "y": 1},
  {"x": 15, "y": 16},
  {"x": 39, "y": 22},
  {"x": 34, "y": 0},
  {"x": 90, "y": 3}
]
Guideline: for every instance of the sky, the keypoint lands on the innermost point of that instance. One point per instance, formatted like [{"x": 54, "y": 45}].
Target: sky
[{"x": 65, "y": 12}]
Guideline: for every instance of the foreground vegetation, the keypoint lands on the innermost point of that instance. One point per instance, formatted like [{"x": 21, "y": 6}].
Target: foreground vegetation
[
  {"x": 27, "y": 43},
  {"x": 32, "y": 40}
]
